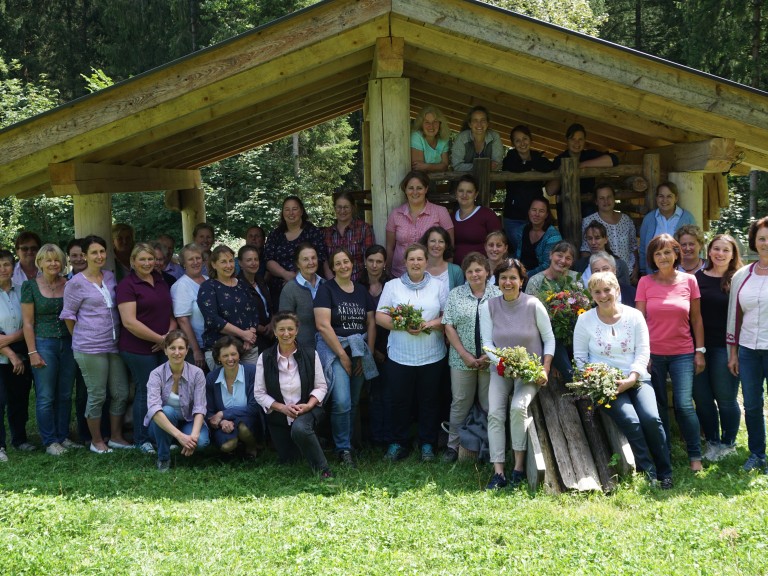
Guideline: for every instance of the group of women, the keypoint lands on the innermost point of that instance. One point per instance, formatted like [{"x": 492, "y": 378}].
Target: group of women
[{"x": 221, "y": 351}]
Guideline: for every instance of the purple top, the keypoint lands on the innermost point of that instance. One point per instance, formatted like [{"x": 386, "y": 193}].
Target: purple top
[
  {"x": 97, "y": 324},
  {"x": 154, "y": 309},
  {"x": 191, "y": 391}
]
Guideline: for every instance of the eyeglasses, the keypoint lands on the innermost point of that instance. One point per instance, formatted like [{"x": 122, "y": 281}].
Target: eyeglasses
[{"x": 28, "y": 248}]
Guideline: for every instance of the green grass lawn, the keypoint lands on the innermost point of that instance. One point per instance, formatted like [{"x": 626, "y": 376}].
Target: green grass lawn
[{"x": 114, "y": 514}]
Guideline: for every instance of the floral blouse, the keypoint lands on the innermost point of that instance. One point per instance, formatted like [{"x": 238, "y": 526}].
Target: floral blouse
[
  {"x": 47, "y": 310},
  {"x": 280, "y": 249},
  {"x": 221, "y": 305},
  {"x": 461, "y": 310}
]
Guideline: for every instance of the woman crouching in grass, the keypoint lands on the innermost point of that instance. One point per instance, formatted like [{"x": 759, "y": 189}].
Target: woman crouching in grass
[
  {"x": 233, "y": 414},
  {"x": 290, "y": 386},
  {"x": 176, "y": 403}
]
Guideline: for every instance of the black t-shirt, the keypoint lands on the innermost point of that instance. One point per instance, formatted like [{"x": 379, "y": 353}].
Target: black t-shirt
[
  {"x": 521, "y": 194},
  {"x": 528, "y": 250},
  {"x": 714, "y": 310},
  {"x": 349, "y": 312}
]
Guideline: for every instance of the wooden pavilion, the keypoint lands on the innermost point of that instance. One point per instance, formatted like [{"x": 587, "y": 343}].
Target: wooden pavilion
[{"x": 389, "y": 58}]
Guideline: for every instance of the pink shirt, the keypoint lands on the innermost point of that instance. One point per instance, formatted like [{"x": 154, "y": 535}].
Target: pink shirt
[
  {"x": 407, "y": 231},
  {"x": 290, "y": 382},
  {"x": 668, "y": 313}
]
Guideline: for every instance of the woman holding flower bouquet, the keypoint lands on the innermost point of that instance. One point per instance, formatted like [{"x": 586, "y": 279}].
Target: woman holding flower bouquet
[
  {"x": 411, "y": 307},
  {"x": 617, "y": 336},
  {"x": 510, "y": 320}
]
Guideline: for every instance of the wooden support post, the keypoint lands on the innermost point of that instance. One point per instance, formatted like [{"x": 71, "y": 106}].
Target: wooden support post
[
  {"x": 388, "y": 113},
  {"x": 192, "y": 204},
  {"x": 652, "y": 174},
  {"x": 570, "y": 201},
  {"x": 481, "y": 170},
  {"x": 93, "y": 215},
  {"x": 690, "y": 188},
  {"x": 366, "y": 155},
  {"x": 535, "y": 468},
  {"x": 619, "y": 444}
]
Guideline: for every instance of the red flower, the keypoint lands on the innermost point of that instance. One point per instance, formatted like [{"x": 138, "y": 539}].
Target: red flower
[{"x": 500, "y": 367}]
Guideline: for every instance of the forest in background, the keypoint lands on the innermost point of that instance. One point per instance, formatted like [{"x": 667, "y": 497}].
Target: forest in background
[{"x": 54, "y": 52}]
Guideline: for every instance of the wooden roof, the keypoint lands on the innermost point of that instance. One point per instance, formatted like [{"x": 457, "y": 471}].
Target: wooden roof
[{"x": 314, "y": 65}]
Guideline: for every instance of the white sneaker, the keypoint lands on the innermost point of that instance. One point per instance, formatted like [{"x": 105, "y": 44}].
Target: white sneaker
[
  {"x": 727, "y": 450},
  {"x": 55, "y": 449},
  {"x": 147, "y": 448},
  {"x": 711, "y": 451},
  {"x": 3, "y": 455},
  {"x": 71, "y": 444}
]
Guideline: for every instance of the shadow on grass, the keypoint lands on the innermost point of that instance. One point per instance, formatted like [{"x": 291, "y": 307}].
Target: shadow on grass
[{"x": 211, "y": 475}]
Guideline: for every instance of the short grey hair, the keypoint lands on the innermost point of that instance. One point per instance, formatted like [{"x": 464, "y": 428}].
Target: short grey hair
[{"x": 602, "y": 255}]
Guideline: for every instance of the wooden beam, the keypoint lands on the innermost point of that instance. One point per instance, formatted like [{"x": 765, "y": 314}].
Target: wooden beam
[
  {"x": 569, "y": 221},
  {"x": 228, "y": 115},
  {"x": 192, "y": 203},
  {"x": 709, "y": 103},
  {"x": 652, "y": 174},
  {"x": 93, "y": 215},
  {"x": 388, "y": 102},
  {"x": 690, "y": 188},
  {"x": 711, "y": 155},
  {"x": 388, "y": 58},
  {"x": 45, "y": 143},
  {"x": 70, "y": 178},
  {"x": 559, "y": 97}
]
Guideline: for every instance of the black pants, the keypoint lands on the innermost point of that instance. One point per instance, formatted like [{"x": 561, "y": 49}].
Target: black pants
[
  {"x": 14, "y": 394},
  {"x": 419, "y": 383},
  {"x": 300, "y": 439}
]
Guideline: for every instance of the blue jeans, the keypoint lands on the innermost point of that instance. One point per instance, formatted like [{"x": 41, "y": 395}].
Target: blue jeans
[
  {"x": 637, "y": 416},
  {"x": 163, "y": 439},
  {"x": 753, "y": 370},
  {"x": 680, "y": 369},
  {"x": 345, "y": 395},
  {"x": 716, "y": 384},
  {"x": 510, "y": 228},
  {"x": 140, "y": 366},
  {"x": 53, "y": 388}
]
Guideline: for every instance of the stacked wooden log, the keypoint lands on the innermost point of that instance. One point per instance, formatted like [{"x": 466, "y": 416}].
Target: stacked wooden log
[{"x": 579, "y": 449}]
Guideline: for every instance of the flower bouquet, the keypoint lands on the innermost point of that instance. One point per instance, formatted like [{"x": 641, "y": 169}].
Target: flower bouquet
[
  {"x": 596, "y": 382},
  {"x": 406, "y": 317},
  {"x": 565, "y": 301},
  {"x": 518, "y": 363}
]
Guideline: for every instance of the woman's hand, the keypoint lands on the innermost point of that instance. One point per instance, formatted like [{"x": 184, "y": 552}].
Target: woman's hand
[
  {"x": 543, "y": 377},
  {"x": 733, "y": 363},
  {"x": 625, "y": 384},
  {"x": 199, "y": 357},
  {"x": 215, "y": 420},
  {"x": 469, "y": 360},
  {"x": 421, "y": 166},
  {"x": 289, "y": 410},
  {"x": 18, "y": 364},
  {"x": 303, "y": 408},
  {"x": 346, "y": 363},
  {"x": 36, "y": 360},
  {"x": 227, "y": 426},
  {"x": 699, "y": 362},
  {"x": 483, "y": 362},
  {"x": 188, "y": 444},
  {"x": 379, "y": 356}
]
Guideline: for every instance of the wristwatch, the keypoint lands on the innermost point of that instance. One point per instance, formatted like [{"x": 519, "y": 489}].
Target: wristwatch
[{"x": 703, "y": 350}]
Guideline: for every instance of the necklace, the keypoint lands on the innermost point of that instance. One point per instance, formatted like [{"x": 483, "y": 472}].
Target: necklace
[
  {"x": 760, "y": 267},
  {"x": 698, "y": 265},
  {"x": 52, "y": 287}
]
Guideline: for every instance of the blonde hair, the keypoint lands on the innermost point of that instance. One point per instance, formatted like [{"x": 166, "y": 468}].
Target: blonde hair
[
  {"x": 444, "y": 132},
  {"x": 48, "y": 249},
  {"x": 607, "y": 278}
]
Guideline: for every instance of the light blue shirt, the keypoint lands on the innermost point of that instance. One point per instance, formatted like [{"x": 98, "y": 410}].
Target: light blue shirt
[
  {"x": 301, "y": 281},
  {"x": 10, "y": 313},
  {"x": 666, "y": 225},
  {"x": 237, "y": 398}
]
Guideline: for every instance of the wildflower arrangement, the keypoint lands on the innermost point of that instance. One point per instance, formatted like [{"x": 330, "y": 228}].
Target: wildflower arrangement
[
  {"x": 518, "y": 363},
  {"x": 565, "y": 300},
  {"x": 405, "y": 317},
  {"x": 596, "y": 382}
]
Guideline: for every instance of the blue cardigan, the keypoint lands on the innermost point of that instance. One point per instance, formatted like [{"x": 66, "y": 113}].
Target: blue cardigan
[
  {"x": 648, "y": 227},
  {"x": 213, "y": 392},
  {"x": 543, "y": 248}
]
